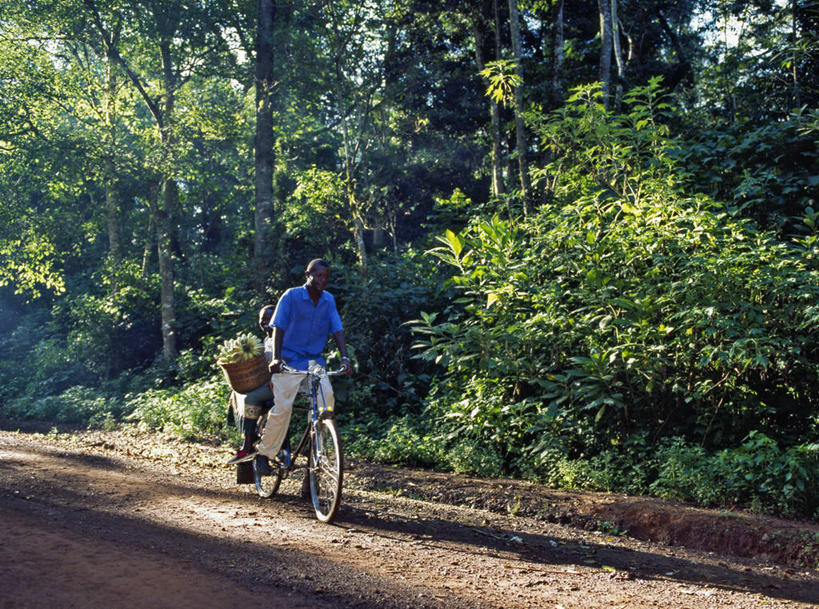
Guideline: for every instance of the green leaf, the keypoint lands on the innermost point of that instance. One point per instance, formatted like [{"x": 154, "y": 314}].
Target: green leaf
[{"x": 455, "y": 242}]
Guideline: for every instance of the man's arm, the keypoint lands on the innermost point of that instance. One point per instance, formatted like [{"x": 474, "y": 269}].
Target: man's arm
[
  {"x": 278, "y": 338},
  {"x": 342, "y": 349}
]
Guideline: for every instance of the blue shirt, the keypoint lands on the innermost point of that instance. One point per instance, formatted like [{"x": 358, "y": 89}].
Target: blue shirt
[{"x": 306, "y": 326}]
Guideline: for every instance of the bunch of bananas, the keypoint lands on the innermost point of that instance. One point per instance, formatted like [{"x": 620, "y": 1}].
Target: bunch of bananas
[{"x": 240, "y": 349}]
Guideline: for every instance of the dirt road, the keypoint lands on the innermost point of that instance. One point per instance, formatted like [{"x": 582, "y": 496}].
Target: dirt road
[{"x": 118, "y": 520}]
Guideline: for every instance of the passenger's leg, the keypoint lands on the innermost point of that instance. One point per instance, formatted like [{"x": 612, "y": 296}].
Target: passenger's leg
[
  {"x": 249, "y": 425},
  {"x": 251, "y": 408}
]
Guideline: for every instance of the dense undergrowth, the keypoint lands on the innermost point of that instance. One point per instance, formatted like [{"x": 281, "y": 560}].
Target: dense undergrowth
[{"x": 635, "y": 334}]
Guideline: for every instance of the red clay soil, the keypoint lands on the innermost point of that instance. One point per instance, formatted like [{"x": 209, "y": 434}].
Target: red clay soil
[{"x": 735, "y": 533}]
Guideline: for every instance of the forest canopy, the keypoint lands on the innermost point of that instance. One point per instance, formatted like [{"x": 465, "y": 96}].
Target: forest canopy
[{"x": 574, "y": 242}]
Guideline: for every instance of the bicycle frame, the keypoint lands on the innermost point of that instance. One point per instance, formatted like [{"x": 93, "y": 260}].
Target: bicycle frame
[{"x": 314, "y": 373}]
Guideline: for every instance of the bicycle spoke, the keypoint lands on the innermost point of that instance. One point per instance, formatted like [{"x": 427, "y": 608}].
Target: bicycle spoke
[{"x": 330, "y": 473}]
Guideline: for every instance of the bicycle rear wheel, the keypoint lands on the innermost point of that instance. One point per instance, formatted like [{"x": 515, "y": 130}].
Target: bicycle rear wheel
[
  {"x": 266, "y": 486},
  {"x": 325, "y": 469}
]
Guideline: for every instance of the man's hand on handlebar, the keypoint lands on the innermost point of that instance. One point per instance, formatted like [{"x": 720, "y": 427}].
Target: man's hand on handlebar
[{"x": 278, "y": 366}]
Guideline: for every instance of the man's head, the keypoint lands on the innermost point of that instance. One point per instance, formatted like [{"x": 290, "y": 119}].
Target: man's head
[
  {"x": 318, "y": 274},
  {"x": 317, "y": 262}
]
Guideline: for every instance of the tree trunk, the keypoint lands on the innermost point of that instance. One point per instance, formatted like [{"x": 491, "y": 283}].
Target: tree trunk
[
  {"x": 150, "y": 234},
  {"x": 358, "y": 233},
  {"x": 393, "y": 220},
  {"x": 682, "y": 70},
  {"x": 498, "y": 187},
  {"x": 497, "y": 151},
  {"x": 630, "y": 41},
  {"x": 112, "y": 211},
  {"x": 797, "y": 98},
  {"x": 164, "y": 209},
  {"x": 109, "y": 169},
  {"x": 497, "y": 143},
  {"x": 604, "y": 71},
  {"x": 352, "y": 203},
  {"x": 559, "y": 57},
  {"x": 166, "y": 294},
  {"x": 618, "y": 56},
  {"x": 166, "y": 216},
  {"x": 358, "y": 227},
  {"x": 520, "y": 129},
  {"x": 378, "y": 237},
  {"x": 494, "y": 112},
  {"x": 264, "y": 156}
]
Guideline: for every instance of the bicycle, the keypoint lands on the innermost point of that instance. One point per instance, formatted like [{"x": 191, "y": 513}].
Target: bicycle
[{"x": 321, "y": 444}]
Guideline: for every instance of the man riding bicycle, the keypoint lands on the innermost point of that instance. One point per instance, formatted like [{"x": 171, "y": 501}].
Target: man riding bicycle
[{"x": 301, "y": 322}]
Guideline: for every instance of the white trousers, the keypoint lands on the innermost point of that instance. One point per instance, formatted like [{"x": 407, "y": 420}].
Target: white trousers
[{"x": 285, "y": 389}]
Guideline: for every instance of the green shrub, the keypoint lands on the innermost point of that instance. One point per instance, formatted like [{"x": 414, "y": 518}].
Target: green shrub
[
  {"x": 765, "y": 171},
  {"x": 77, "y": 405},
  {"x": 761, "y": 474},
  {"x": 375, "y": 314},
  {"x": 405, "y": 440},
  {"x": 468, "y": 458},
  {"x": 196, "y": 410},
  {"x": 686, "y": 473},
  {"x": 758, "y": 474},
  {"x": 104, "y": 332},
  {"x": 481, "y": 431},
  {"x": 623, "y": 468},
  {"x": 409, "y": 441},
  {"x": 626, "y": 307}
]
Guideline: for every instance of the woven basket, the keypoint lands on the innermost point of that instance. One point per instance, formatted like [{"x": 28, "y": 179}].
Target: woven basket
[{"x": 246, "y": 376}]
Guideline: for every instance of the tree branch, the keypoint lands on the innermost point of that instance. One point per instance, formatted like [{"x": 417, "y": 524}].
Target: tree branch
[{"x": 110, "y": 41}]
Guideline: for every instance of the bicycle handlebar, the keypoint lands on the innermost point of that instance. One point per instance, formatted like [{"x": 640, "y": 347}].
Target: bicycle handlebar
[{"x": 288, "y": 370}]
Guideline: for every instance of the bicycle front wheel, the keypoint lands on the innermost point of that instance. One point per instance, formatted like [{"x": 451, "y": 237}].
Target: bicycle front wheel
[{"x": 325, "y": 470}]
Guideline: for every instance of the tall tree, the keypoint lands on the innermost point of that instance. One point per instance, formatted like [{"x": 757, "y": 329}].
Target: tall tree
[
  {"x": 357, "y": 39},
  {"x": 604, "y": 69},
  {"x": 84, "y": 99},
  {"x": 264, "y": 154},
  {"x": 557, "y": 87},
  {"x": 479, "y": 27},
  {"x": 521, "y": 146},
  {"x": 111, "y": 194},
  {"x": 618, "y": 54},
  {"x": 91, "y": 80},
  {"x": 179, "y": 40},
  {"x": 30, "y": 255}
]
